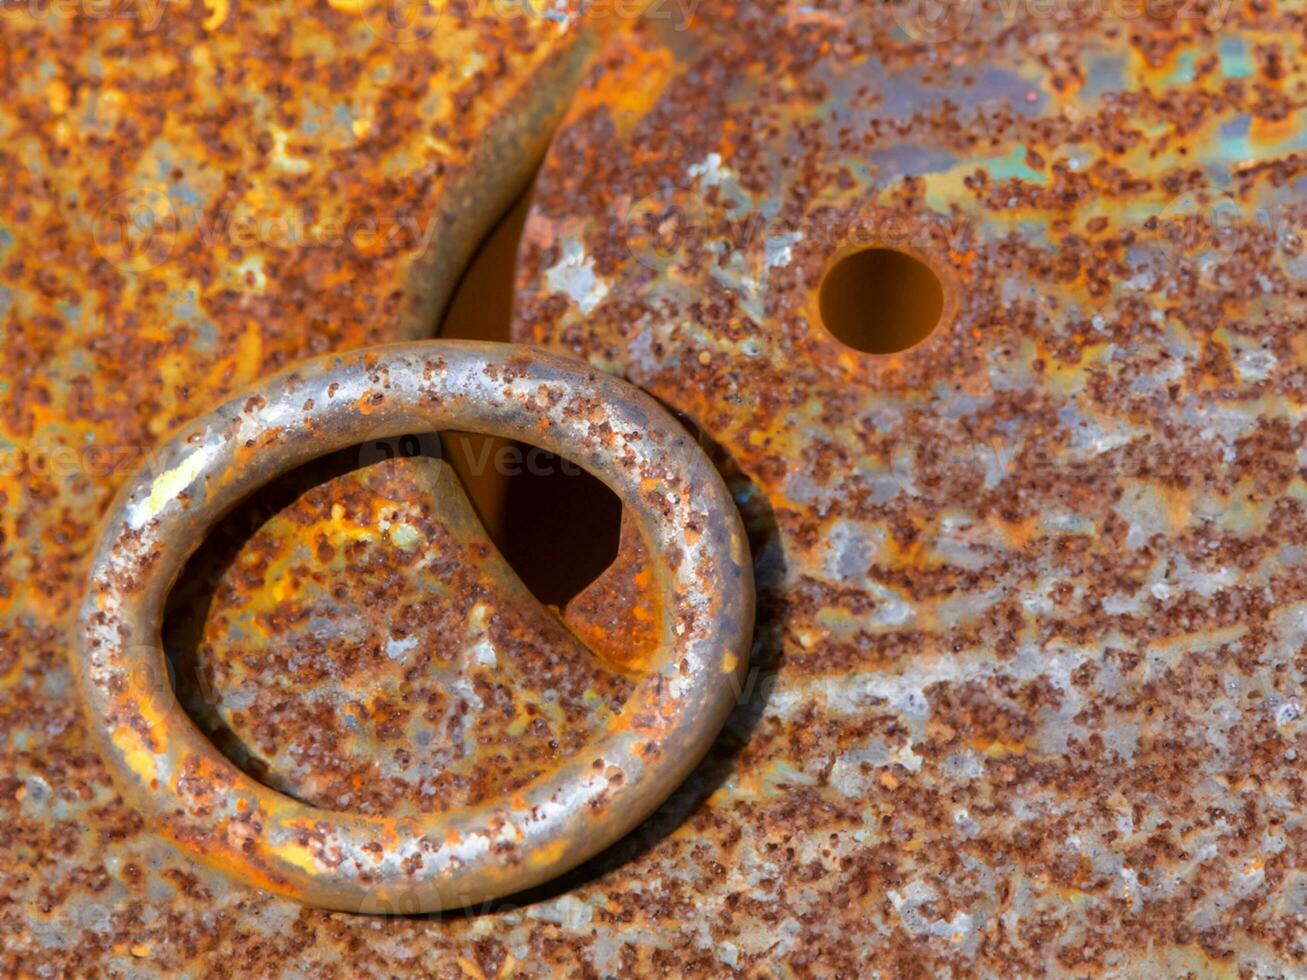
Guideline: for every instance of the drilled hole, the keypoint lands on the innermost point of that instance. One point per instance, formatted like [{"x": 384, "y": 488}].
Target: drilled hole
[
  {"x": 881, "y": 300},
  {"x": 557, "y": 525}
]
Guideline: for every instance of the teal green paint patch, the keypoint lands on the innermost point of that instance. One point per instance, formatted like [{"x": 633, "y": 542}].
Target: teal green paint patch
[
  {"x": 1033, "y": 232},
  {"x": 71, "y": 313},
  {"x": 1183, "y": 73},
  {"x": 910, "y": 159},
  {"x": 1235, "y": 62},
  {"x": 1234, "y": 145},
  {"x": 1014, "y": 165}
]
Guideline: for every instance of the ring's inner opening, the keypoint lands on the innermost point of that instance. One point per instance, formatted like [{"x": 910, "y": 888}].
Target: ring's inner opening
[
  {"x": 352, "y": 636},
  {"x": 556, "y": 525}
]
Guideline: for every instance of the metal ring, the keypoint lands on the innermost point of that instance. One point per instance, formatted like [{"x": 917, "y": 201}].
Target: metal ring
[{"x": 341, "y": 860}]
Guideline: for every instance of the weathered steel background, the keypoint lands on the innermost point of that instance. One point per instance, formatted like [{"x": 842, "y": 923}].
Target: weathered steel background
[
  {"x": 1032, "y": 625},
  {"x": 1032, "y": 608}
]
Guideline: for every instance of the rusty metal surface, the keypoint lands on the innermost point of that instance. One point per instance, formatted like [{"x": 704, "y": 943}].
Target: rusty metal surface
[
  {"x": 196, "y": 196},
  {"x": 1081, "y": 776},
  {"x": 1032, "y": 602}
]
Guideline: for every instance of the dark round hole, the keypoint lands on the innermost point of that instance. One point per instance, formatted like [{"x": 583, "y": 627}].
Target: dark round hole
[{"x": 881, "y": 300}]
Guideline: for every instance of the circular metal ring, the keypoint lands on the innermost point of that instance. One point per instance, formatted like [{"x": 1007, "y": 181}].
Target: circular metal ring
[{"x": 209, "y": 808}]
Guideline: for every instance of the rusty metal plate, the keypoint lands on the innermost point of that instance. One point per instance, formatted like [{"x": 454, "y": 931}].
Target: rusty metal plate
[
  {"x": 194, "y": 198},
  {"x": 1028, "y": 672},
  {"x": 1032, "y": 611}
]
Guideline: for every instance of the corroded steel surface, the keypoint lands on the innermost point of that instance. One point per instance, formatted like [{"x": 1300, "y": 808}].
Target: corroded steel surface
[
  {"x": 1032, "y": 598},
  {"x": 617, "y": 615},
  {"x": 194, "y": 197},
  {"x": 577, "y": 802},
  {"x": 894, "y": 794}
]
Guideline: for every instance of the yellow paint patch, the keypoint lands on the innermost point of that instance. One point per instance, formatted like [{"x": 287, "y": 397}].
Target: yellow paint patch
[
  {"x": 549, "y": 853},
  {"x": 249, "y": 352},
  {"x": 282, "y": 158},
  {"x": 57, "y": 95},
  {"x": 998, "y": 748},
  {"x": 808, "y": 638},
  {"x": 141, "y": 762},
  {"x": 218, "y": 10},
  {"x": 298, "y": 855},
  {"x": 170, "y": 484},
  {"x": 479, "y": 616},
  {"x": 361, "y": 124}
]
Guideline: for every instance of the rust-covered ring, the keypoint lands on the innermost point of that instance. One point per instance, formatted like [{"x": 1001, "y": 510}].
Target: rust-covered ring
[{"x": 203, "y": 803}]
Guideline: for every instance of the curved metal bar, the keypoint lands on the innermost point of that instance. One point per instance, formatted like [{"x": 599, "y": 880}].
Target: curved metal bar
[{"x": 349, "y": 861}]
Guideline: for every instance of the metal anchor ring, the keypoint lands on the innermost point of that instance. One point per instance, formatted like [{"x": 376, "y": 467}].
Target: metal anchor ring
[{"x": 209, "y": 808}]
